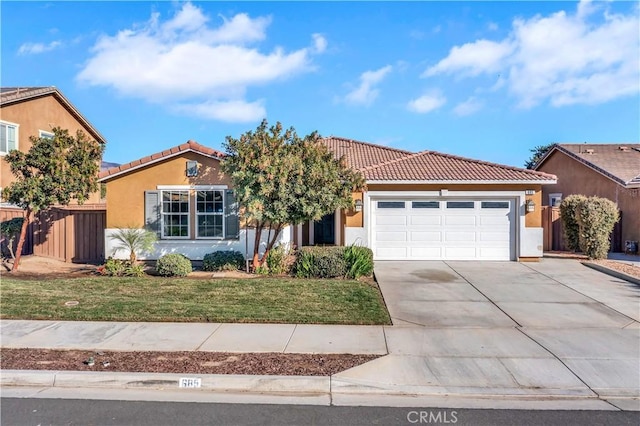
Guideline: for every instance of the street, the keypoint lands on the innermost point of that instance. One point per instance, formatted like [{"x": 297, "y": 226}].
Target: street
[{"x": 37, "y": 411}]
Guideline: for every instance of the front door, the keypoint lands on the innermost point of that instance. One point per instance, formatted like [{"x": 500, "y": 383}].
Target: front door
[{"x": 324, "y": 230}]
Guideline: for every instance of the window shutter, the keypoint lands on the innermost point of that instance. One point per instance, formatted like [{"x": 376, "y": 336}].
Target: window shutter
[
  {"x": 231, "y": 219},
  {"x": 152, "y": 211}
]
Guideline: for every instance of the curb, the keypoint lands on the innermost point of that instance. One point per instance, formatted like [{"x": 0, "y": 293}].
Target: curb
[
  {"x": 276, "y": 385},
  {"x": 612, "y": 272}
]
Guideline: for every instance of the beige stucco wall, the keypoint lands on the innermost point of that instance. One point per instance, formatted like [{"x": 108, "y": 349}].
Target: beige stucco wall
[
  {"x": 576, "y": 178},
  {"x": 32, "y": 116},
  {"x": 125, "y": 193},
  {"x": 532, "y": 219}
]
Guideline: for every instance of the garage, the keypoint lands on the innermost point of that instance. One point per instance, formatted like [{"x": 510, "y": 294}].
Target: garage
[{"x": 443, "y": 229}]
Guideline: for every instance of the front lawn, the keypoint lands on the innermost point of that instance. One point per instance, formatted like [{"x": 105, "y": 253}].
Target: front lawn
[{"x": 262, "y": 300}]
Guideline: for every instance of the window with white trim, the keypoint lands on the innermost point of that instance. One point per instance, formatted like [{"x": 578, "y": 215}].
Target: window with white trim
[
  {"x": 210, "y": 214},
  {"x": 8, "y": 137},
  {"x": 555, "y": 199},
  {"x": 175, "y": 214}
]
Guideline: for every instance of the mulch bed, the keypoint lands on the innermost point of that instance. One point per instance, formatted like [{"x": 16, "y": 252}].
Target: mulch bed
[{"x": 272, "y": 363}]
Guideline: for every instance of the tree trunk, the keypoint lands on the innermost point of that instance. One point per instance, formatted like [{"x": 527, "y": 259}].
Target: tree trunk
[
  {"x": 23, "y": 236},
  {"x": 256, "y": 246},
  {"x": 271, "y": 242}
]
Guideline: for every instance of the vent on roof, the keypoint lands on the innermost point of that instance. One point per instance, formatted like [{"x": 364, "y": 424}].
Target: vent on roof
[
  {"x": 589, "y": 151},
  {"x": 624, "y": 148}
]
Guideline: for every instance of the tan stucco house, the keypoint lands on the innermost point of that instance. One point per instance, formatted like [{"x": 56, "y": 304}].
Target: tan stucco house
[
  {"x": 35, "y": 111},
  {"x": 605, "y": 170},
  {"x": 417, "y": 206}
]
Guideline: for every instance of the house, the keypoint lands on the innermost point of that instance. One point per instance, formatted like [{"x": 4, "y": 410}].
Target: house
[
  {"x": 417, "y": 206},
  {"x": 66, "y": 233},
  {"x": 605, "y": 170},
  {"x": 35, "y": 111}
]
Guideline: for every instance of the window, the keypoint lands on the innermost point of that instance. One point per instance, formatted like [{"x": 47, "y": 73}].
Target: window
[
  {"x": 210, "y": 214},
  {"x": 495, "y": 204},
  {"x": 555, "y": 199},
  {"x": 391, "y": 204},
  {"x": 460, "y": 204},
  {"x": 425, "y": 205},
  {"x": 43, "y": 134},
  {"x": 8, "y": 137},
  {"x": 175, "y": 214}
]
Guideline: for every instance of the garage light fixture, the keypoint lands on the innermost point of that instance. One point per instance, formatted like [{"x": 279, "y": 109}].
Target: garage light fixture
[
  {"x": 530, "y": 205},
  {"x": 358, "y": 205}
]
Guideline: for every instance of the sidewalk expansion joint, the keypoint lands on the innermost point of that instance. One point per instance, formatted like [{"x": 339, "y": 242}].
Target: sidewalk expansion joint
[
  {"x": 208, "y": 337},
  {"x": 295, "y": 327}
]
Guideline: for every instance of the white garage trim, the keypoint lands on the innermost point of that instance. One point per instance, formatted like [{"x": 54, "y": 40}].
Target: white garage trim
[{"x": 517, "y": 229}]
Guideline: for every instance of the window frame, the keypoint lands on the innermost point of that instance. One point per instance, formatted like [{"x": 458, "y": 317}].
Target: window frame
[
  {"x": 391, "y": 204},
  {"x": 220, "y": 214},
  {"x": 163, "y": 214},
  {"x": 555, "y": 195},
  {"x": 16, "y": 126},
  {"x": 460, "y": 205},
  {"x": 45, "y": 134}
]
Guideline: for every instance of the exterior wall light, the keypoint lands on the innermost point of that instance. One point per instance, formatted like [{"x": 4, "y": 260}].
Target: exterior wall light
[
  {"x": 358, "y": 205},
  {"x": 530, "y": 205}
]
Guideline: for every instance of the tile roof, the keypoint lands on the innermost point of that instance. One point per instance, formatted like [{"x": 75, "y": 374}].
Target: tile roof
[
  {"x": 361, "y": 154},
  {"x": 430, "y": 166},
  {"x": 619, "y": 162},
  {"x": 12, "y": 95},
  {"x": 189, "y": 146}
]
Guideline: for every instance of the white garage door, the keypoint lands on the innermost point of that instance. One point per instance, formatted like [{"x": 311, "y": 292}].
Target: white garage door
[{"x": 449, "y": 229}]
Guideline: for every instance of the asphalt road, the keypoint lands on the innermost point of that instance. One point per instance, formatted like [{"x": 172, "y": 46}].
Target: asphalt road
[{"x": 24, "y": 411}]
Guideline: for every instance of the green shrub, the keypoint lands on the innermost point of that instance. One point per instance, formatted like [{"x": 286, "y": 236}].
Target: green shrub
[
  {"x": 596, "y": 217},
  {"x": 320, "y": 262},
  {"x": 280, "y": 260},
  {"x": 121, "y": 268},
  {"x": 223, "y": 261},
  {"x": 261, "y": 270},
  {"x": 568, "y": 208},
  {"x": 359, "y": 261},
  {"x": 174, "y": 265}
]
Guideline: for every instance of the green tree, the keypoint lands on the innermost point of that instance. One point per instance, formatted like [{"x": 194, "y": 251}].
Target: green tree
[
  {"x": 282, "y": 179},
  {"x": 536, "y": 155},
  {"x": 54, "y": 171},
  {"x": 133, "y": 240}
]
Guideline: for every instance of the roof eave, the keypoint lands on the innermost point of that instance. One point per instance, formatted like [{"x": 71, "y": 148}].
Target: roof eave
[{"x": 464, "y": 182}]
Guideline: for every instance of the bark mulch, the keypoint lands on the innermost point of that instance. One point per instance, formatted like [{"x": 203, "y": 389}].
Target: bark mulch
[{"x": 272, "y": 363}]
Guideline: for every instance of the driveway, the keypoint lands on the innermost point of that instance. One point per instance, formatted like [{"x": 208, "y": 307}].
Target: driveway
[{"x": 554, "y": 328}]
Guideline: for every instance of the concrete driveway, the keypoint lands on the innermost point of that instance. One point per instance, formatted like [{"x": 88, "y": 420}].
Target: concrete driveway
[{"x": 554, "y": 328}]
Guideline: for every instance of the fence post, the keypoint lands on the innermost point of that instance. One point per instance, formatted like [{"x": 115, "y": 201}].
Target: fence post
[{"x": 68, "y": 237}]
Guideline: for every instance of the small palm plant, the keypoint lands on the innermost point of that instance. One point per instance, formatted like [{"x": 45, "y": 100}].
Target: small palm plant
[{"x": 134, "y": 240}]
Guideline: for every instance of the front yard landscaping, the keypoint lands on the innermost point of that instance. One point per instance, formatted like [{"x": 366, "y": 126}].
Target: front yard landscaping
[{"x": 257, "y": 300}]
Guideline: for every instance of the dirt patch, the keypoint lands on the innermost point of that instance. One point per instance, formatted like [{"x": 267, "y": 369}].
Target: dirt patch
[
  {"x": 620, "y": 266},
  {"x": 271, "y": 363}
]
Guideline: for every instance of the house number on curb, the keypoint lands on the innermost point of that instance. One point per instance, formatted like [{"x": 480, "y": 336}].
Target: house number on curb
[{"x": 187, "y": 382}]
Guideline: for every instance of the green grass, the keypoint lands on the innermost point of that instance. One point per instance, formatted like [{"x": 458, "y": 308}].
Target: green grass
[{"x": 262, "y": 300}]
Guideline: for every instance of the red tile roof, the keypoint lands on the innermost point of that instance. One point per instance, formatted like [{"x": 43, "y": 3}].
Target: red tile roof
[
  {"x": 14, "y": 95},
  {"x": 619, "y": 162},
  {"x": 361, "y": 154},
  {"x": 167, "y": 153},
  {"x": 430, "y": 166}
]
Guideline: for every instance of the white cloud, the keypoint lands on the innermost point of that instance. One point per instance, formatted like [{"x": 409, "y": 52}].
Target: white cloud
[
  {"x": 186, "y": 62},
  {"x": 366, "y": 92},
  {"x": 587, "y": 57},
  {"x": 36, "y": 48},
  {"x": 427, "y": 102},
  {"x": 468, "y": 107},
  {"x": 492, "y": 26}
]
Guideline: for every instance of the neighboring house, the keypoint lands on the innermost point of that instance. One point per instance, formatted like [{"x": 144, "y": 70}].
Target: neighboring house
[
  {"x": 35, "y": 111},
  {"x": 605, "y": 170},
  {"x": 417, "y": 206}
]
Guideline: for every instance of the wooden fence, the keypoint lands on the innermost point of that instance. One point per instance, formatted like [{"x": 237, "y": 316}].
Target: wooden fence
[
  {"x": 71, "y": 234},
  {"x": 554, "y": 232}
]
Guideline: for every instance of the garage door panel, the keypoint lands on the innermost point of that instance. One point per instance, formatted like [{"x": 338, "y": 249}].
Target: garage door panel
[
  {"x": 450, "y": 229},
  {"x": 391, "y": 220},
  {"x": 452, "y": 219}
]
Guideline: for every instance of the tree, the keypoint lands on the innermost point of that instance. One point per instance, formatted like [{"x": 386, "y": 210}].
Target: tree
[
  {"x": 536, "y": 155},
  {"x": 282, "y": 179},
  {"x": 133, "y": 240},
  {"x": 55, "y": 170},
  {"x": 10, "y": 229}
]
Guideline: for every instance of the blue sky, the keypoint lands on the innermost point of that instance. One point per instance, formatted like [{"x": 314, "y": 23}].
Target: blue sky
[{"x": 486, "y": 80}]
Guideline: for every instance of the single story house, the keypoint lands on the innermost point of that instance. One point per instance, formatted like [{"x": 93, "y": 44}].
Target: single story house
[
  {"x": 417, "y": 206},
  {"x": 605, "y": 170}
]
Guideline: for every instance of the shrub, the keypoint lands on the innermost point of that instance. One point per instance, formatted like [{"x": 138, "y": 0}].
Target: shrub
[
  {"x": 174, "y": 265},
  {"x": 320, "y": 262},
  {"x": 121, "y": 268},
  {"x": 280, "y": 260},
  {"x": 134, "y": 241},
  {"x": 568, "y": 208},
  {"x": 596, "y": 217},
  {"x": 359, "y": 261},
  {"x": 223, "y": 261},
  {"x": 10, "y": 230}
]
